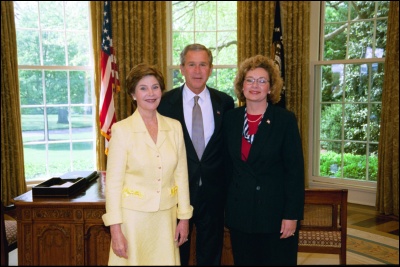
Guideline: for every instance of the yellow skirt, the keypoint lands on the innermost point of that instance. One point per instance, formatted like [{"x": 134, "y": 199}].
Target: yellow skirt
[{"x": 150, "y": 238}]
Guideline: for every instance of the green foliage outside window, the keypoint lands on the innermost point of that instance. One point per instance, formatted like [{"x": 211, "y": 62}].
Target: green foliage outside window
[
  {"x": 350, "y": 91},
  {"x": 330, "y": 166}
]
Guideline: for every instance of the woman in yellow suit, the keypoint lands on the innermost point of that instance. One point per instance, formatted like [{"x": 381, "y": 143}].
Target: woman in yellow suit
[{"x": 147, "y": 194}]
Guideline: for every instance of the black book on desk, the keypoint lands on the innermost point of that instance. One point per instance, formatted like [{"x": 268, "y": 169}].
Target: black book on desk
[
  {"x": 65, "y": 185},
  {"x": 87, "y": 175}
]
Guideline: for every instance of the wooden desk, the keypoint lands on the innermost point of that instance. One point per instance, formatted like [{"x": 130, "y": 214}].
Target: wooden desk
[
  {"x": 70, "y": 231},
  {"x": 63, "y": 231}
]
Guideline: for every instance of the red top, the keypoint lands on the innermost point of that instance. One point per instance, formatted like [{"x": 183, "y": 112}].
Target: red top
[{"x": 253, "y": 126}]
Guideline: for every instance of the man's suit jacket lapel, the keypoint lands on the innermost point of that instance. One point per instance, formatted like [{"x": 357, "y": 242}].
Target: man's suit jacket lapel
[
  {"x": 177, "y": 101},
  {"x": 217, "y": 112}
]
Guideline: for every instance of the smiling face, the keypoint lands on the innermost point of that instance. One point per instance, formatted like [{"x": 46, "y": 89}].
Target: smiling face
[
  {"x": 256, "y": 85},
  {"x": 148, "y": 93},
  {"x": 197, "y": 69}
]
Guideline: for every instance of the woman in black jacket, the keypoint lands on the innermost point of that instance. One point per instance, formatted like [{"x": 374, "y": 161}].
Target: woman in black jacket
[{"x": 265, "y": 166}]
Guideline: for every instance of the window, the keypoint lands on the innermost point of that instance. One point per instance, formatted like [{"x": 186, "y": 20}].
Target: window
[
  {"x": 213, "y": 24},
  {"x": 56, "y": 87},
  {"x": 348, "y": 78}
]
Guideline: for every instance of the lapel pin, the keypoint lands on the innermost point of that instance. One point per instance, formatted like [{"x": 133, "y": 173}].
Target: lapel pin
[
  {"x": 219, "y": 113},
  {"x": 268, "y": 121}
]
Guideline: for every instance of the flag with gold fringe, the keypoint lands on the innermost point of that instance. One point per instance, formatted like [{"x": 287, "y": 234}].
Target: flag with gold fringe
[{"x": 109, "y": 77}]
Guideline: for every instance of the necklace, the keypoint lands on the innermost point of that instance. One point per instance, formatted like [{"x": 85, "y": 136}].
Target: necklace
[{"x": 256, "y": 119}]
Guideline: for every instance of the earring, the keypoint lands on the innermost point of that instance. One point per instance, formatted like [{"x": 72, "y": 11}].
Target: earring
[{"x": 134, "y": 98}]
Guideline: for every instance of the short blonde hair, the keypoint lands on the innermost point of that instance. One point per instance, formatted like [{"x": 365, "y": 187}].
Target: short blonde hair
[{"x": 259, "y": 61}]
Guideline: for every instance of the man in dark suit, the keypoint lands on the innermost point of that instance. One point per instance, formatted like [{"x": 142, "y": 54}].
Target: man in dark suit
[{"x": 206, "y": 175}]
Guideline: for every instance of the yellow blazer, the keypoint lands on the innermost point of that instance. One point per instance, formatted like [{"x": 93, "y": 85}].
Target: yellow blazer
[{"x": 143, "y": 175}]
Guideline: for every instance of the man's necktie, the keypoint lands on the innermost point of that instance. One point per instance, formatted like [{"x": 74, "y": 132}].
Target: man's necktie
[{"x": 197, "y": 128}]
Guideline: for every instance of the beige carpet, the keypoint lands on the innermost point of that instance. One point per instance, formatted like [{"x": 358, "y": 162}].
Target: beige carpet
[{"x": 363, "y": 248}]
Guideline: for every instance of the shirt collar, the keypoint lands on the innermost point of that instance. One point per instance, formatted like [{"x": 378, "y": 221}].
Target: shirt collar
[{"x": 188, "y": 95}]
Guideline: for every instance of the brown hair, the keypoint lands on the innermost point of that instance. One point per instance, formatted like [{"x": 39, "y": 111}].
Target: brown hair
[
  {"x": 195, "y": 47},
  {"x": 259, "y": 61},
  {"x": 138, "y": 72}
]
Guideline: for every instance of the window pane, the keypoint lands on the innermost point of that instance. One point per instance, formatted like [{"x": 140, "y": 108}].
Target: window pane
[
  {"x": 227, "y": 16},
  {"x": 377, "y": 71},
  {"x": 56, "y": 87},
  {"x": 331, "y": 122},
  {"x": 207, "y": 39},
  {"x": 53, "y": 48},
  {"x": 35, "y": 162},
  {"x": 32, "y": 120},
  {"x": 354, "y": 161},
  {"x": 51, "y": 15},
  {"x": 227, "y": 50},
  {"x": 30, "y": 87},
  {"x": 381, "y": 29},
  {"x": 383, "y": 8},
  {"x": 58, "y": 123},
  {"x": 360, "y": 40},
  {"x": 28, "y": 47},
  {"x": 335, "y": 37},
  {"x": 225, "y": 78},
  {"x": 81, "y": 87},
  {"x": 373, "y": 162},
  {"x": 375, "y": 122},
  {"x": 78, "y": 48},
  {"x": 82, "y": 123},
  {"x": 26, "y": 14},
  {"x": 332, "y": 86},
  {"x": 183, "y": 12},
  {"x": 180, "y": 40},
  {"x": 212, "y": 81},
  {"x": 77, "y": 20},
  {"x": 357, "y": 80},
  {"x": 59, "y": 158},
  {"x": 336, "y": 11},
  {"x": 205, "y": 10},
  {"x": 330, "y": 159},
  {"x": 83, "y": 157},
  {"x": 355, "y": 122}
]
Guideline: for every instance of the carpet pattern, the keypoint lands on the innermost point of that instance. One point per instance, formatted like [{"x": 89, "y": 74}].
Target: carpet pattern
[
  {"x": 363, "y": 248},
  {"x": 382, "y": 249}
]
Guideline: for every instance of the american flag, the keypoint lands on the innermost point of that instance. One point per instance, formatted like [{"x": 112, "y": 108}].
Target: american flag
[
  {"x": 277, "y": 49},
  {"x": 109, "y": 77}
]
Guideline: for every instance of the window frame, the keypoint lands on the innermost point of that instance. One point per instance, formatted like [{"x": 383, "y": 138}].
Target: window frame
[
  {"x": 68, "y": 69},
  {"x": 361, "y": 192},
  {"x": 171, "y": 68}
]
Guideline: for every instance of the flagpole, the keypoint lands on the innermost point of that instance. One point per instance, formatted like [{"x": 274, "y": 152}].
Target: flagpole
[{"x": 277, "y": 51}]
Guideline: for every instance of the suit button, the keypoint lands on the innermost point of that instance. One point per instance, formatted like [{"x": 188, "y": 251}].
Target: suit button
[{"x": 258, "y": 188}]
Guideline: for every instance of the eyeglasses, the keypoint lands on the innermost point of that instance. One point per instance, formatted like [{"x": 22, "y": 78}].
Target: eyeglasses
[{"x": 260, "y": 81}]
